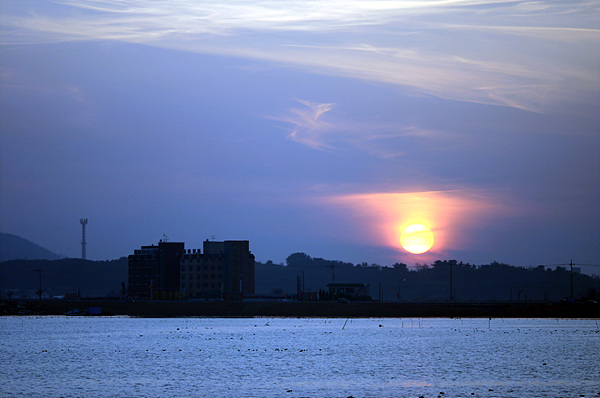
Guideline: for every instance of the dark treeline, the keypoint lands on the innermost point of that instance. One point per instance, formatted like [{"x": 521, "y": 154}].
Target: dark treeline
[
  {"x": 431, "y": 283},
  {"x": 437, "y": 282},
  {"x": 73, "y": 276}
]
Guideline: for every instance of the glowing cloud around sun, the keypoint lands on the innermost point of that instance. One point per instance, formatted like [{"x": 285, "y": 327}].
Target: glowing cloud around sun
[{"x": 426, "y": 224}]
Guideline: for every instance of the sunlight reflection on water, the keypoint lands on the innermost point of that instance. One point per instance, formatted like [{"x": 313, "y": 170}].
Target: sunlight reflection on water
[{"x": 260, "y": 357}]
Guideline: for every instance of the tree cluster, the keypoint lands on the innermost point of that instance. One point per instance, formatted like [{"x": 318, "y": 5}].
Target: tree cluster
[{"x": 441, "y": 281}]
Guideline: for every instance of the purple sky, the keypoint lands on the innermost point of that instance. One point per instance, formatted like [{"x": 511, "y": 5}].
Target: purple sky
[{"x": 314, "y": 126}]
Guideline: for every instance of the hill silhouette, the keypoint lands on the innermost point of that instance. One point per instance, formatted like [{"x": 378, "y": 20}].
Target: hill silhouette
[{"x": 13, "y": 247}]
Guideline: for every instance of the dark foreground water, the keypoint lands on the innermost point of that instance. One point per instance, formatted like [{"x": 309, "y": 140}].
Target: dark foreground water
[{"x": 281, "y": 357}]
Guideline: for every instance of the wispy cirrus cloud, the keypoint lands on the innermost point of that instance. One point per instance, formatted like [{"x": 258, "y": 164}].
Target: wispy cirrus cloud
[
  {"x": 308, "y": 125},
  {"x": 315, "y": 125},
  {"x": 535, "y": 56}
]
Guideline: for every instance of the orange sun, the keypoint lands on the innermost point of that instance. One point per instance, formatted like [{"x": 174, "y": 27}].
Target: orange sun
[{"x": 416, "y": 238}]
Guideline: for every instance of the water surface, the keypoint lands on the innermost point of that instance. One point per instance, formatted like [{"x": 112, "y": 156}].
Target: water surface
[{"x": 285, "y": 357}]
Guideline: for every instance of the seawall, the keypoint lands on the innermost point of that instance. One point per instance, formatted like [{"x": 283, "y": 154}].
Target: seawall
[{"x": 303, "y": 309}]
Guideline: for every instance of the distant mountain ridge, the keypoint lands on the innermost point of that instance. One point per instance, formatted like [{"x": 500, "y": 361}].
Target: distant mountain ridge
[{"x": 13, "y": 247}]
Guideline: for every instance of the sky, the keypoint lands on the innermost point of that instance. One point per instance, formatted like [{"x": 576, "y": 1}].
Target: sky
[{"x": 322, "y": 127}]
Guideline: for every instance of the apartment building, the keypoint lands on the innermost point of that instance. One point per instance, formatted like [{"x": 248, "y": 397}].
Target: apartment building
[{"x": 168, "y": 271}]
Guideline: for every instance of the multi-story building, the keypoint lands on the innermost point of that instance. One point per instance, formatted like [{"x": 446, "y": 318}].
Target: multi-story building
[
  {"x": 238, "y": 268},
  {"x": 154, "y": 271},
  {"x": 224, "y": 269},
  {"x": 201, "y": 274},
  {"x": 168, "y": 271}
]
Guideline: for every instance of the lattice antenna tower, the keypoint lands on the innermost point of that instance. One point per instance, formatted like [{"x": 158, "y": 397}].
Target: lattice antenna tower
[{"x": 83, "y": 222}]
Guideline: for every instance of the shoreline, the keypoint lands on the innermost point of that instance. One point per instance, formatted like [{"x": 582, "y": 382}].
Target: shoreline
[{"x": 301, "y": 309}]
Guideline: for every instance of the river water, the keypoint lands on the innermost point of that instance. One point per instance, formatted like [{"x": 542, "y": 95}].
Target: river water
[{"x": 291, "y": 357}]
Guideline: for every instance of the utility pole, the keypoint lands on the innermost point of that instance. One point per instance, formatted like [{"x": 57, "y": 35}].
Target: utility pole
[
  {"x": 39, "y": 271},
  {"x": 572, "y": 279},
  {"x": 83, "y": 223},
  {"x": 333, "y": 289},
  {"x": 332, "y": 272},
  {"x": 451, "y": 288}
]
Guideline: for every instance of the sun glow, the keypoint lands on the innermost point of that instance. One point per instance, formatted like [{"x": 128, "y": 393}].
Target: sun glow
[
  {"x": 391, "y": 220},
  {"x": 416, "y": 239}
]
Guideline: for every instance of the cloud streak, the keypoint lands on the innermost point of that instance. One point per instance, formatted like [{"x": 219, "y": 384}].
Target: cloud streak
[
  {"x": 309, "y": 127},
  {"x": 528, "y": 55},
  {"x": 316, "y": 126}
]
